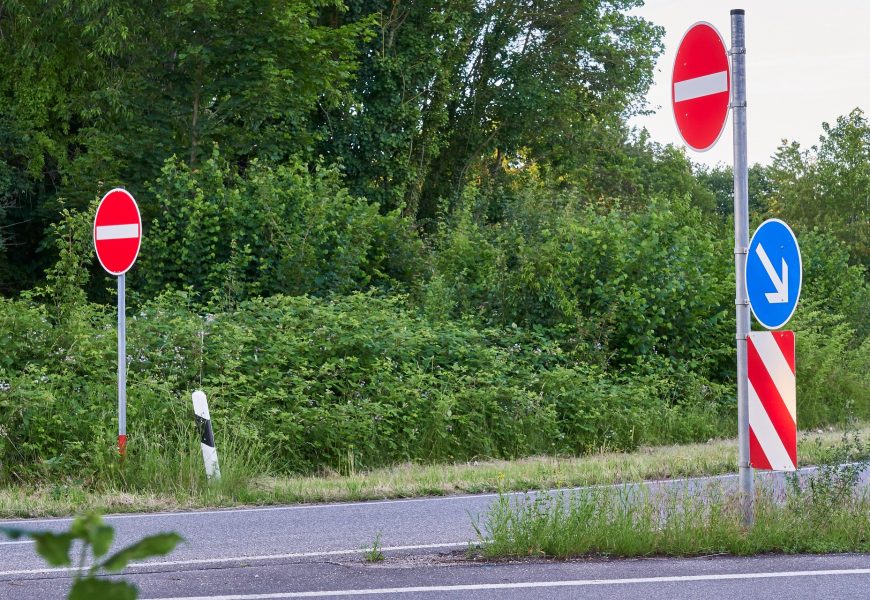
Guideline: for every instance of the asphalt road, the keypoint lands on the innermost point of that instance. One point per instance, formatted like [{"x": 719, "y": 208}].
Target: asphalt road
[{"x": 317, "y": 551}]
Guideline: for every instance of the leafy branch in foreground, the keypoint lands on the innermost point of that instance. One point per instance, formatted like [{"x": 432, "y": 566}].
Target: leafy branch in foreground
[{"x": 96, "y": 536}]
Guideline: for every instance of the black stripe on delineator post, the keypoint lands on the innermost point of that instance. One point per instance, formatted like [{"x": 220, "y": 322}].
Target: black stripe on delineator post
[{"x": 205, "y": 431}]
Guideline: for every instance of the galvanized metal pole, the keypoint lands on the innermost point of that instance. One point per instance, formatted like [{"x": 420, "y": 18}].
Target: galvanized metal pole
[
  {"x": 741, "y": 247},
  {"x": 122, "y": 367}
]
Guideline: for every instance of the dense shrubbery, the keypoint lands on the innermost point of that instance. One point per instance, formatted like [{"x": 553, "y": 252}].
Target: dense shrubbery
[
  {"x": 274, "y": 230},
  {"x": 319, "y": 381},
  {"x": 621, "y": 285},
  {"x": 560, "y": 330}
]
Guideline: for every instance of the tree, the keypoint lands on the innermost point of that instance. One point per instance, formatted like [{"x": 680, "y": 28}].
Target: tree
[
  {"x": 719, "y": 180},
  {"x": 450, "y": 91},
  {"x": 828, "y": 186},
  {"x": 99, "y": 93}
]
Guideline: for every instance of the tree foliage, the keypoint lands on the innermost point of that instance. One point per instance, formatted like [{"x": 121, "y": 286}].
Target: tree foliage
[
  {"x": 99, "y": 93},
  {"x": 828, "y": 186},
  {"x": 451, "y": 90}
]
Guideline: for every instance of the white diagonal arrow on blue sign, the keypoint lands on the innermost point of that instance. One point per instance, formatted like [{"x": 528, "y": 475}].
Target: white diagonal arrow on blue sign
[{"x": 781, "y": 285}]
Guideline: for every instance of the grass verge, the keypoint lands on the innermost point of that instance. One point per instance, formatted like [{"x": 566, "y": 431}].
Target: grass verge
[
  {"x": 154, "y": 480},
  {"x": 823, "y": 513}
]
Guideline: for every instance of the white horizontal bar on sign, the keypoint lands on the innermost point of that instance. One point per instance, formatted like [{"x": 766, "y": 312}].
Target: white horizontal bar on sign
[
  {"x": 117, "y": 232},
  {"x": 690, "y": 89}
]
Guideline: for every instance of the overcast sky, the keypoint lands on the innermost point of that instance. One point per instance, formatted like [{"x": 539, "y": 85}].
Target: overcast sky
[{"x": 806, "y": 62}]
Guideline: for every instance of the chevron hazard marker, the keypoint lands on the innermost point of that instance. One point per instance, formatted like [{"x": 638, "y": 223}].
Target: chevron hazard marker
[{"x": 772, "y": 400}]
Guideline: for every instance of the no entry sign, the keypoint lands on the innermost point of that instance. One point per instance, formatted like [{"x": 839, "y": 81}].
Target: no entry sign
[
  {"x": 117, "y": 231},
  {"x": 701, "y": 86},
  {"x": 117, "y": 237}
]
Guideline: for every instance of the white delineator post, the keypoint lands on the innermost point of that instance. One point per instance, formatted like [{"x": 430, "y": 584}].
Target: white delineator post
[
  {"x": 741, "y": 248},
  {"x": 203, "y": 424}
]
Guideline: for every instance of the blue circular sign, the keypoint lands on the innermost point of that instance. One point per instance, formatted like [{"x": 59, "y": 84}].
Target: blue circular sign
[{"x": 773, "y": 273}]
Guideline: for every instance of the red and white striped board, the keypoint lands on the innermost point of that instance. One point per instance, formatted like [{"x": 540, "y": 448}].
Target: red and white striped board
[{"x": 772, "y": 400}]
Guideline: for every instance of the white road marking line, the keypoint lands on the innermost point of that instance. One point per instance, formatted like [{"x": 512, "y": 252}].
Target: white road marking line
[
  {"x": 369, "y": 503},
  {"x": 229, "y": 511},
  {"x": 17, "y": 542},
  {"x": 689, "y": 89},
  {"x": 243, "y": 559},
  {"x": 527, "y": 585},
  {"x": 117, "y": 232}
]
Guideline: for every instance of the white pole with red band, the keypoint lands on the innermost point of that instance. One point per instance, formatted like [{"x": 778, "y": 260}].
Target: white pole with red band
[
  {"x": 122, "y": 365},
  {"x": 117, "y": 239}
]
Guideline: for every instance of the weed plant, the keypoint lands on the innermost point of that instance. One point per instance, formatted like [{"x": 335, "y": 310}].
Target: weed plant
[
  {"x": 95, "y": 539},
  {"x": 374, "y": 553}
]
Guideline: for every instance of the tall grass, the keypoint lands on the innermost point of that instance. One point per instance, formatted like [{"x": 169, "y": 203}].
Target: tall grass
[
  {"x": 825, "y": 512},
  {"x": 250, "y": 478}
]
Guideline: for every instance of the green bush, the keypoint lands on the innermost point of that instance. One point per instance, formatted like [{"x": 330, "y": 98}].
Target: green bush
[
  {"x": 832, "y": 369},
  {"x": 352, "y": 382},
  {"x": 275, "y": 229},
  {"x": 614, "y": 285},
  {"x": 831, "y": 284}
]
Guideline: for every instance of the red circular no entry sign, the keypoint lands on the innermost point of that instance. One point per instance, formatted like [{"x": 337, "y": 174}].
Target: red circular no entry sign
[
  {"x": 117, "y": 231},
  {"x": 701, "y": 86}
]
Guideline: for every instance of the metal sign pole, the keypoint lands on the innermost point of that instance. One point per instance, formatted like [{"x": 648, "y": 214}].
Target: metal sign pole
[
  {"x": 122, "y": 367},
  {"x": 741, "y": 248}
]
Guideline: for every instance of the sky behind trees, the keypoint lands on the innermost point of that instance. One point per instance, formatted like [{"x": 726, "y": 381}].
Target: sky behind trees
[{"x": 806, "y": 62}]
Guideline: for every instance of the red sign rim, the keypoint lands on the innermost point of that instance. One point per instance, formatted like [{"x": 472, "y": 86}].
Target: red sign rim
[
  {"x": 727, "y": 61},
  {"x": 139, "y": 241}
]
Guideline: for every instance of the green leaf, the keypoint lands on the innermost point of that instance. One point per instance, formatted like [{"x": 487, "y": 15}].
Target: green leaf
[
  {"x": 102, "y": 589},
  {"x": 154, "y": 545},
  {"x": 94, "y": 531},
  {"x": 53, "y": 547},
  {"x": 101, "y": 540},
  {"x": 14, "y": 533}
]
